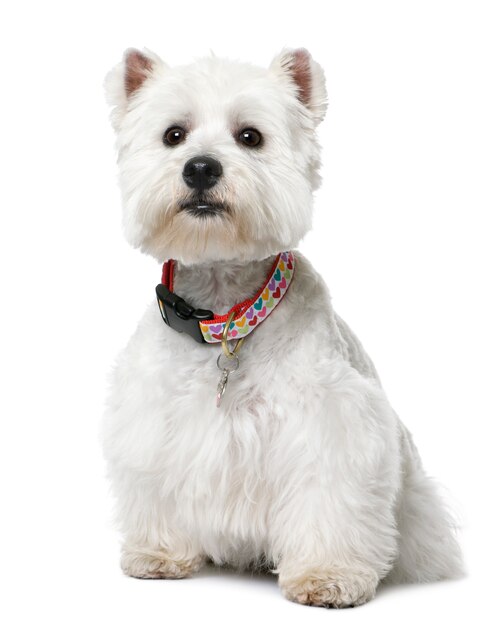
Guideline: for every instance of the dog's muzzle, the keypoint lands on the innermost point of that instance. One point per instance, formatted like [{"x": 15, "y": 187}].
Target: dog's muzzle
[{"x": 201, "y": 174}]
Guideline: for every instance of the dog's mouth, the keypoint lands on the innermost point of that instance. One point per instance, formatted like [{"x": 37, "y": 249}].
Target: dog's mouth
[{"x": 202, "y": 208}]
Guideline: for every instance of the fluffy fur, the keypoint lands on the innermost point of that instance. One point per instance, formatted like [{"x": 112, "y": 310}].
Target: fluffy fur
[{"x": 305, "y": 468}]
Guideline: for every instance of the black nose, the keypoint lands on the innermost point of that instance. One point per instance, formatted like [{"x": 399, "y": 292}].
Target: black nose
[{"x": 202, "y": 172}]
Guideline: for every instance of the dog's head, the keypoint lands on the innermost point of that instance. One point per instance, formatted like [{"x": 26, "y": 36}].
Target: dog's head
[{"x": 218, "y": 159}]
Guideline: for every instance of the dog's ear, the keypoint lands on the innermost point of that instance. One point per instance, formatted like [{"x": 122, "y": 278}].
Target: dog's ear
[
  {"x": 126, "y": 78},
  {"x": 297, "y": 66}
]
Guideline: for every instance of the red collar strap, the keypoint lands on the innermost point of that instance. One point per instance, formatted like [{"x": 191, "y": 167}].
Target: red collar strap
[{"x": 204, "y": 325}]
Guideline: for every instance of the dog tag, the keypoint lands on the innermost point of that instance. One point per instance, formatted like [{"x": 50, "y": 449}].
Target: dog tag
[
  {"x": 227, "y": 365},
  {"x": 221, "y": 386}
]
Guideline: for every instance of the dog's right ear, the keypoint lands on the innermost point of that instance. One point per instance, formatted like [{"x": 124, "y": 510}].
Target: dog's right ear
[{"x": 126, "y": 78}]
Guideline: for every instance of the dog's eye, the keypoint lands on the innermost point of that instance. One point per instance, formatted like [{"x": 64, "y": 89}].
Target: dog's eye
[
  {"x": 250, "y": 137},
  {"x": 174, "y": 135}
]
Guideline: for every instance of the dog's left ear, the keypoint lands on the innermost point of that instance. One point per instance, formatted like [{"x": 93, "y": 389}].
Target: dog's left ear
[{"x": 307, "y": 76}]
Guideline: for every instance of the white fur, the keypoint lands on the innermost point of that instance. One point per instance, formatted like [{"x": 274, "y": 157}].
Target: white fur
[{"x": 305, "y": 468}]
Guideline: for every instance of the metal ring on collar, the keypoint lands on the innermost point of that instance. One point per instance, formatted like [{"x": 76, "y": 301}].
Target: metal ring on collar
[{"x": 224, "y": 338}]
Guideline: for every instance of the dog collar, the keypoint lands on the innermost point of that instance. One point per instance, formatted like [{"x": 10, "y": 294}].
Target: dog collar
[{"x": 205, "y": 326}]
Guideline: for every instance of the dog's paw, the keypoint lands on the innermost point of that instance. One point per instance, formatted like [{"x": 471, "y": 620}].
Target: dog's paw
[
  {"x": 333, "y": 587},
  {"x": 148, "y": 563}
]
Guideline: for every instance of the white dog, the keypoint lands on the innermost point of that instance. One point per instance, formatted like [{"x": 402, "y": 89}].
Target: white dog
[{"x": 299, "y": 464}]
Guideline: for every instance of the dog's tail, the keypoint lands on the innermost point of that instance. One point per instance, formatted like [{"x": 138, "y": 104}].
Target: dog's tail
[{"x": 428, "y": 549}]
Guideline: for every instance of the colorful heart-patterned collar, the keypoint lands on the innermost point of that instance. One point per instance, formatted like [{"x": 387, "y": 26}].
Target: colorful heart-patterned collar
[{"x": 204, "y": 325}]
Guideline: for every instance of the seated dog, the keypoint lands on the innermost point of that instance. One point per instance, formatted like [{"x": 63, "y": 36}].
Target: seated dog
[{"x": 246, "y": 424}]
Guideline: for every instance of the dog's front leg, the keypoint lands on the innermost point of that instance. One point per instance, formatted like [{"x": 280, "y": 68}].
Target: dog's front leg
[
  {"x": 153, "y": 545},
  {"x": 334, "y": 522},
  {"x": 335, "y": 558}
]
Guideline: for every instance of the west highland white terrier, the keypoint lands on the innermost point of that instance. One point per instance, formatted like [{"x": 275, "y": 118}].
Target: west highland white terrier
[{"x": 246, "y": 424}]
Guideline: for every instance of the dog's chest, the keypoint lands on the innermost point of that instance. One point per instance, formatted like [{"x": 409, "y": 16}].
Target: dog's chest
[
  {"x": 215, "y": 461},
  {"x": 219, "y": 457},
  {"x": 220, "y": 468}
]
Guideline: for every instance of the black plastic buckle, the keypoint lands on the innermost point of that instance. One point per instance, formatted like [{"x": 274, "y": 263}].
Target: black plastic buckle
[{"x": 179, "y": 315}]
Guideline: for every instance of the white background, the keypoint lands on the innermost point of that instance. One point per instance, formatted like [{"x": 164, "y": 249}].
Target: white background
[{"x": 402, "y": 234}]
